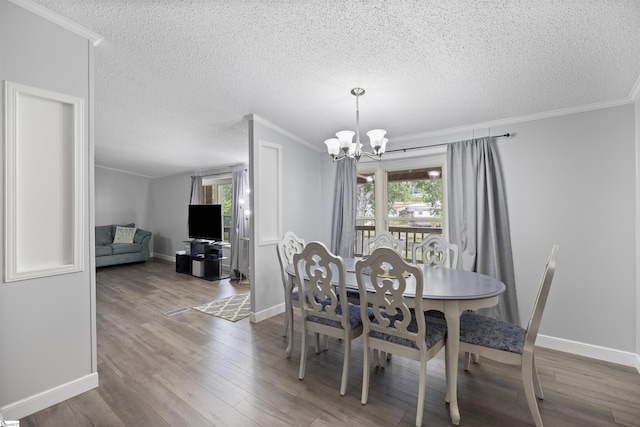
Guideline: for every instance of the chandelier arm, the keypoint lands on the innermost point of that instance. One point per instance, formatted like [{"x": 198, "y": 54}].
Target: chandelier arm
[{"x": 372, "y": 156}]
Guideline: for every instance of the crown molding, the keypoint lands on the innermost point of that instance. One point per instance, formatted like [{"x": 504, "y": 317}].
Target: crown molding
[
  {"x": 45, "y": 13},
  {"x": 256, "y": 118},
  {"x": 635, "y": 91},
  {"x": 514, "y": 120},
  {"x": 97, "y": 166}
]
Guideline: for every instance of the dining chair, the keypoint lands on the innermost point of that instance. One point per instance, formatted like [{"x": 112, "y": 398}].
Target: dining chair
[
  {"x": 323, "y": 275},
  {"x": 380, "y": 240},
  {"x": 395, "y": 327},
  {"x": 287, "y": 247},
  {"x": 436, "y": 251},
  {"x": 509, "y": 343}
]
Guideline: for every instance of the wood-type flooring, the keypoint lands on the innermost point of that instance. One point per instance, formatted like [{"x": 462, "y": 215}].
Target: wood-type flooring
[{"x": 195, "y": 370}]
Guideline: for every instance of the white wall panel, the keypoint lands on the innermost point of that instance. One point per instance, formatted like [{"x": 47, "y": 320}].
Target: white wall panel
[
  {"x": 44, "y": 137},
  {"x": 268, "y": 189}
]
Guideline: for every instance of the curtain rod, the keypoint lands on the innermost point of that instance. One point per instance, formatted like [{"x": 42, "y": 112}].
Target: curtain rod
[{"x": 506, "y": 135}]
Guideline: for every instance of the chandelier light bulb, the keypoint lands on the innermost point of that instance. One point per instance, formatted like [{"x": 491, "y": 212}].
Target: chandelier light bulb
[
  {"x": 333, "y": 146},
  {"x": 346, "y": 139},
  {"x": 375, "y": 138}
]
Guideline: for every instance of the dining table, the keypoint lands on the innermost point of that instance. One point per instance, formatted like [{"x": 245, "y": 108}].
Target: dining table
[{"x": 450, "y": 291}]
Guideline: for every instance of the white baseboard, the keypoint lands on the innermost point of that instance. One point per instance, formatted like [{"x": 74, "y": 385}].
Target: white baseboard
[
  {"x": 164, "y": 257},
  {"x": 589, "y": 350},
  {"x": 45, "y": 399},
  {"x": 265, "y": 314}
]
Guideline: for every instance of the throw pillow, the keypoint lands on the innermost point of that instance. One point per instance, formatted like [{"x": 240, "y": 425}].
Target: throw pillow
[{"x": 124, "y": 234}]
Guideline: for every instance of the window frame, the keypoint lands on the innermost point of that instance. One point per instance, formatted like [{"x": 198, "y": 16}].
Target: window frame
[
  {"x": 218, "y": 181},
  {"x": 425, "y": 158}
]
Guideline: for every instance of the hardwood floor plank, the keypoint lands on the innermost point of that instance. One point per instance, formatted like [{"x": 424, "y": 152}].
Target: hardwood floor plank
[
  {"x": 91, "y": 410},
  {"x": 193, "y": 369}
]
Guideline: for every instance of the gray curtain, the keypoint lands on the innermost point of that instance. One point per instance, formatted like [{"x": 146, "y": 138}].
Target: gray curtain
[
  {"x": 478, "y": 220},
  {"x": 239, "y": 263},
  {"x": 343, "y": 227},
  {"x": 196, "y": 190}
]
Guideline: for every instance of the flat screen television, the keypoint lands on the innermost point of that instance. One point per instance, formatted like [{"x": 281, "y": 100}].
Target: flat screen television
[{"x": 205, "y": 222}]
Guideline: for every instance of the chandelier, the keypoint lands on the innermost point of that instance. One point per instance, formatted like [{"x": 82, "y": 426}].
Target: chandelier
[{"x": 353, "y": 149}]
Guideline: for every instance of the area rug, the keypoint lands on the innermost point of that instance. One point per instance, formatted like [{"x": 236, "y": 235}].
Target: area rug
[{"x": 232, "y": 308}]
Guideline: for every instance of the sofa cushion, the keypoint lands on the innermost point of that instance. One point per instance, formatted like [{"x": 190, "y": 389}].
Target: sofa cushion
[
  {"x": 140, "y": 235},
  {"x": 124, "y": 235},
  {"x": 125, "y": 248},
  {"x": 114, "y": 226},
  {"x": 103, "y": 235},
  {"x": 103, "y": 250}
]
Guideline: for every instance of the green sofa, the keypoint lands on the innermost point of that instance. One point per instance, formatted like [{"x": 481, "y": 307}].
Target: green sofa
[{"x": 109, "y": 253}]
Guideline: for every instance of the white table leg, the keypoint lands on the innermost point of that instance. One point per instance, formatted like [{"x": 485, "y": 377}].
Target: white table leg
[
  {"x": 288, "y": 303},
  {"x": 452, "y": 315}
]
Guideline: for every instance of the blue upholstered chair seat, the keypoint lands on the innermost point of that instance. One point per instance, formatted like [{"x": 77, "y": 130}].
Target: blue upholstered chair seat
[
  {"x": 435, "y": 315},
  {"x": 355, "y": 319},
  {"x": 295, "y": 295},
  {"x": 488, "y": 332},
  {"x": 435, "y": 332}
]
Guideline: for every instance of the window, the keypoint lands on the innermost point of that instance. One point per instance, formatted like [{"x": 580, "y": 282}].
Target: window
[
  {"x": 414, "y": 204},
  {"x": 404, "y": 197},
  {"x": 219, "y": 191}
]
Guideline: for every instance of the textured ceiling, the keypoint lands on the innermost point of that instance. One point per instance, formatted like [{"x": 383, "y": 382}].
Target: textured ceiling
[{"x": 174, "y": 79}]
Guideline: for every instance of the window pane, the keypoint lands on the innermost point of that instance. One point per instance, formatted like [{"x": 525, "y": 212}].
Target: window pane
[
  {"x": 414, "y": 197},
  {"x": 414, "y": 204},
  {"x": 366, "y": 207}
]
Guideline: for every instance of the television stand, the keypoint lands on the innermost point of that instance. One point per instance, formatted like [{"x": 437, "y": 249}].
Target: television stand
[{"x": 203, "y": 260}]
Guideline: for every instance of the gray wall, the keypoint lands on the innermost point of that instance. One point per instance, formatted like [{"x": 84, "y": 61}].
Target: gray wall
[
  {"x": 170, "y": 208},
  {"x": 47, "y": 325},
  {"x": 637, "y": 248},
  {"x": 122, "y": 198},
  {"x": 570, "y": 181},
  {"x": 303, "y": 193}
]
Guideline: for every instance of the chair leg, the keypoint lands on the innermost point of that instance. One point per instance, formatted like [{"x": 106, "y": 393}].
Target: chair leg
[
  {"x": 536, "y": 380},
  {"x": 446, "y": 371},
  {"x": 345, "y": 366},
  {"x": 303, "y": 353},
  {"x": 529, "y": 392},
  {"x": 317, "y": 343},
  {"x": 286, "y": 326},
  {"x": 421, "y": 391},
  {"x": 366, "y": 371},
  {"x": 467, "y": 360}
]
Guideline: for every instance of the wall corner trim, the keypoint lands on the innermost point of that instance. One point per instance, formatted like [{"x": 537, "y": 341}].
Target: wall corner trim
[{"x": 45, "y": 13}]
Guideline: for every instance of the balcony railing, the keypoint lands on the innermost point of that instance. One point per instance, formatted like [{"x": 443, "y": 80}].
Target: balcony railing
[{"x": 409, "y": 235}]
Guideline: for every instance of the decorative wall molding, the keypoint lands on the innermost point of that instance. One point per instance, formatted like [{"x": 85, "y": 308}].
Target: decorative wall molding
[
  {"x": 268, "y": 190},
  {"x": 283, "y": 132},
  {"x": 635, "y": 91},
  {"x": 59, "y": 20},
  {"x": 514, "y": 120},
  {"x": 44, "y": 182}
]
